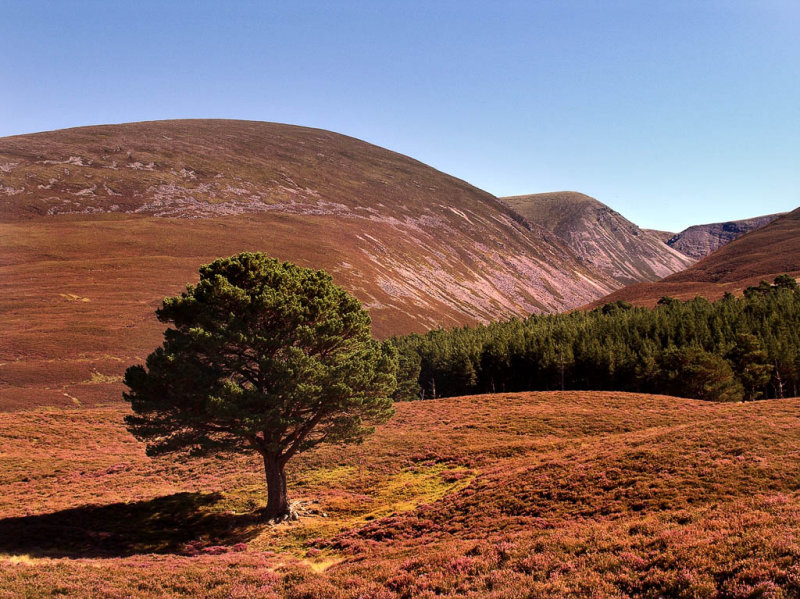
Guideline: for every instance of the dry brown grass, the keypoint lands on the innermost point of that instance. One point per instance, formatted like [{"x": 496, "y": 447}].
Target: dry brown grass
[{"x": 534, "y": 494}]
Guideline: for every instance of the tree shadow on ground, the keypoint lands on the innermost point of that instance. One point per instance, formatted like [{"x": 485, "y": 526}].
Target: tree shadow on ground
[{"x": 184, "y": 523}]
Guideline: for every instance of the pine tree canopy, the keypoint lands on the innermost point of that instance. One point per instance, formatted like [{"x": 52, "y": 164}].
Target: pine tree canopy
[
  {"x": 263, "y": 356},
  {"x": 737, "y": 348}
]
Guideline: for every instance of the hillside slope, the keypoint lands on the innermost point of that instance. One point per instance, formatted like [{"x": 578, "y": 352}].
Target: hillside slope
[
  {"x": 601, "y": 236},
  {"x": 701, "y": 240},
  {"x": 662, "y": 235},
  {"x": 559, "y": 494},
  {"x": 759, "y": 255},
  {"x": 98, "y": 224}
]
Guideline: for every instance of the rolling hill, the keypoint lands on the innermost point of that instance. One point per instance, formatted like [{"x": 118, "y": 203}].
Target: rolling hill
[
  {"x": 557, "y": 494},
  {"x": 759, "y": 255},
  {"x": 701, "y": 240},
  {"x": 98, "y": 224},
  {"x": 601, "y": 236}
]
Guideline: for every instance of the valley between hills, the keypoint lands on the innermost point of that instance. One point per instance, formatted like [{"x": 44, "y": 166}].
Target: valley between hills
[{"x": 561, "y": 493}]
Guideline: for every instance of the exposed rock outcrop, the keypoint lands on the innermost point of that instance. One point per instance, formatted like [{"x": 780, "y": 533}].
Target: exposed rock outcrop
[{"x": 701, "y": 240}]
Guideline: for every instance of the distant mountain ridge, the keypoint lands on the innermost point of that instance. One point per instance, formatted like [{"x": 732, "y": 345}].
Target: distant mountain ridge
[
  {"x": 761, "y": 254},
  {"x": 600, "y": 236},
  {"x": 662, "y": 235},
  {"x": 699, "y": 241}
]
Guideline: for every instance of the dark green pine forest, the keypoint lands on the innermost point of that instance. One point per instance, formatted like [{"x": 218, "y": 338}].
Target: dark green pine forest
[{"x": 736, "y": 349}]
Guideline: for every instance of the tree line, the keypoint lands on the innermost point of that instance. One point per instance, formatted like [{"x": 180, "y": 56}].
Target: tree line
[{"x": 738, "y": 348}]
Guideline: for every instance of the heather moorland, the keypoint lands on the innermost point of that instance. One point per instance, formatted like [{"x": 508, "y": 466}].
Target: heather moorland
[
  {"x": 507, "y": 495},
  {"x": 397, "y": 300}
]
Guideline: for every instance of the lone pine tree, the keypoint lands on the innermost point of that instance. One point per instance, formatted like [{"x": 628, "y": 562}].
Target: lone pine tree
[{"x": 265, "y": 357}]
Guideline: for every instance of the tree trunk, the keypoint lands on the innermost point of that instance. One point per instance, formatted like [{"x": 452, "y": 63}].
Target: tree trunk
[
  {"x": 779, "y": 381},
  {"x": 277, "y": 500}
]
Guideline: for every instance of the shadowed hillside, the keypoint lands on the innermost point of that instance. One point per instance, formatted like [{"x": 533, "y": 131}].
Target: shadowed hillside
[
  {"x": 701, "y": 240},
  {"x": 602, "y": 237},
  {"x": 98, "y": 224},
  {"x": 759, "y": 255},
  {"x": 559, "y": 494}
]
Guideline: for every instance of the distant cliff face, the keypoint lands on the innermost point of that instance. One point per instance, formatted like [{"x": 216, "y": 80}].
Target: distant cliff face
[
  {"x": 601, "y": 237},
  {"x": 762, "y": 254},
  {"x": 701, "y": 240}
]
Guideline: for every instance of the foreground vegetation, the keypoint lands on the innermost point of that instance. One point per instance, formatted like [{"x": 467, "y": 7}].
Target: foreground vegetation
[
  {"x": 739, "y": 348},
  {"x": 263, "y": 357},
  {"x": 508, "y": 495}
]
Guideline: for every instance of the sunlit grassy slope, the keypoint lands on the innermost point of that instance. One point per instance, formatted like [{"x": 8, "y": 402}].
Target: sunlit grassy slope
[
  {"x": 99, "y": 224},
  {"x": 533, "y": 494},
  {"x": 761, "y": 254}
]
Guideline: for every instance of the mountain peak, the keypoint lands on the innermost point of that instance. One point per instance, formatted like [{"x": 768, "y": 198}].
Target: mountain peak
[{"x": 601, "y": 236}]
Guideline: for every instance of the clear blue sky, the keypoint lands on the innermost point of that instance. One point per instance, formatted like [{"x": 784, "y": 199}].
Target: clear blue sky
[{"x": 672, "y": 112}]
